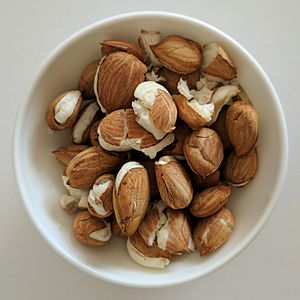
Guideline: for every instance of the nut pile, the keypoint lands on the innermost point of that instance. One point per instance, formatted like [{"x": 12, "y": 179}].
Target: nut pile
[{"x": 161, "y": 133}]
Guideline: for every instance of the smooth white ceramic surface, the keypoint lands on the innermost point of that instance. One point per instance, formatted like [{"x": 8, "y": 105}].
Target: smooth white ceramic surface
[{"x": 38, "y": 173}]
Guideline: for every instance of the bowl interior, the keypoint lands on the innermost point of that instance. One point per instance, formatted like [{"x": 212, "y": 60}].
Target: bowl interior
[{"x": 39, "y": 175}]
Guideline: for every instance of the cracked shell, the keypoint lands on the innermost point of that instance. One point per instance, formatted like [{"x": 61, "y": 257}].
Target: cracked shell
[
  {"x": 242, "y": 127},
  {"x": 193, "y": 118},
  {"x": 63, "y": 110},
  {"x": 217, "y": 63},
  {"x": 117, "y": 76},
  {"x": 147, "y": 39},
  {"x": 212, "y": 232},
  {"x": 175, "y": 234},
  {"x": 172, "y": 79},
  {"x": 178, "y": 54},
  {"x": 131, "y": 196},
  {"x": 210, "y": 200},
  {"x": 154, "y": 219},
  {"x": 86, "y": 81},
  {"x": 90, "y": 230},
  {"x": 119, "y": 131},
  {"x": 100, "y": 196},
  {"x": 238, "y": 171},
  {"x": 203, "y": 151},
  {"x": 141, "y": 253},
  {"x": 88, "y": 165},
  {"x": 173, "y": 183},
  {"x": 154, "y": 108},
  {"x": 109, "y": 46},
  {"x": 65, "y": 154},
  {"x": 88, "y": 115}
]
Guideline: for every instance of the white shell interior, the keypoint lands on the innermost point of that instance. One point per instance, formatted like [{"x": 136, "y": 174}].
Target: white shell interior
[
  {"x": 103, "y": 234},
  {"x": 152, "y": 150},
  {"x": 39, "y": 174},
  {"x": 94, "y": 198},
  {"x": 165, "y": 159},
  {"x": 209, "y": 53},
  {"x": 145, "y": 94},
  {"x": 124, "y": 170},
  {"x": 141, "y": 259},
  {"x": 64, "y": 108},
  {"x": 85, "y": 120}
]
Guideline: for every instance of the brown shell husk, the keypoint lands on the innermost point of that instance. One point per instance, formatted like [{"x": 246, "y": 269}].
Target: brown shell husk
[
  {"x": 65, "y": 154},
  {"x": 174, "y": 184},
  {"x": 203, "y": 151},
  {"x": 50, "y": 114},
  {"x": 86, "y": 81},
  {"x": 109, "y": 46},
  {"x": 212, "y": 232},
  {"x": 84, "y": 224},
  {"x": 210, "y": 200},
  {"x": 131, "y": 200},
  {"x": 88, "y": 165},
  {"x": 242, "y": 127},
  {"x": 119, "y": 75},
  {"x": 178, "y": 54}
]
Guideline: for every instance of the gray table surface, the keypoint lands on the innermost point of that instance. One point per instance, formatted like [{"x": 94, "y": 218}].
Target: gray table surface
[{"x": 268, "y": 269}]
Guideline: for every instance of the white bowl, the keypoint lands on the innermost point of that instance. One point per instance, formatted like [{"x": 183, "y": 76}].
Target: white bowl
[{"x": 38, "y": 174}]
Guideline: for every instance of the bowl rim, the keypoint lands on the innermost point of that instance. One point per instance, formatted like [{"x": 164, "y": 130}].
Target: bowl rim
[{"x": 18, "y": 130}]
